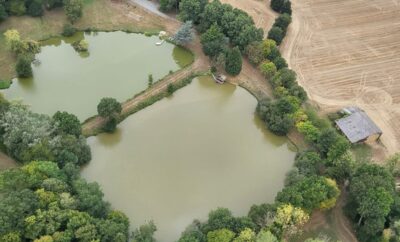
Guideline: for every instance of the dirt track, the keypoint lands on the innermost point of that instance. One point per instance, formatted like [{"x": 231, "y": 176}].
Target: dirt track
[{"x": 348, "y": 53}]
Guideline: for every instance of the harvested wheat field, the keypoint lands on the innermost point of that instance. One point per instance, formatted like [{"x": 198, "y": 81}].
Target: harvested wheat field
[
  {"x": 348, "y": 53},
  {"x": 259, "y": 10}
]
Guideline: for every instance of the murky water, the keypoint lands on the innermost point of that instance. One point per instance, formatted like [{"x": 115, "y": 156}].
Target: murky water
[
  {"x": 200, "y": 149},
  {"x": 117, "y": 65}
]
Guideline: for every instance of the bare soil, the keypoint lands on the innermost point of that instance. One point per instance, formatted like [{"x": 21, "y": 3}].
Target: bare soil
[{"x": 348, "y": 53}]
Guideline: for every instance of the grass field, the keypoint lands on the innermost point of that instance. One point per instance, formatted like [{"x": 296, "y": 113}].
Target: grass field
[{"x": 99, "y": 14}]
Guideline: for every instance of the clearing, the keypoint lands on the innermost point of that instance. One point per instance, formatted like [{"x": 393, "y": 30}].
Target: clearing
[{"x": 347, "y": 53}]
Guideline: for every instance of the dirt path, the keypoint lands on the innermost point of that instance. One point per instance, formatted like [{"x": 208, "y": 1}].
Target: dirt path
[
  {"x": 6, "y": 161},
  {"x": 347, "y": 53},
  {"x": 333, "y": 222}
]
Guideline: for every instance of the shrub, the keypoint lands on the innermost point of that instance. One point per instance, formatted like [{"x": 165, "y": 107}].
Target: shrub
[
  {"x": 111, "y": 125},
  {"x": 81, "y": 46},
  {"x": 23, "y": 67},
  {"x": 233, "y": 62},
  {"x": 4, "y": 84},
  {"x": 170, "y": 89},
  {"x": 68, "y": 30},
  {"x": 276, "y": 34}
]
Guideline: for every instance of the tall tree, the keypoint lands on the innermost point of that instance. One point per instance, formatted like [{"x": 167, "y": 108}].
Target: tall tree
[{"x": 233, "y": 63}]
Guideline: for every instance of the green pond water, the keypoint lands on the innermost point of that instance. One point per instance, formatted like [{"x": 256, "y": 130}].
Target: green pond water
[
  {"x": 116, "y": 65},
  {"x": 200, "y": 149}
]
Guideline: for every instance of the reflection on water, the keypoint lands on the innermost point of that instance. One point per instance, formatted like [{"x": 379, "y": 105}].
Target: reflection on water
[
  {"x": 116, "y": 65},
  {"x": 183, "y": 156}
]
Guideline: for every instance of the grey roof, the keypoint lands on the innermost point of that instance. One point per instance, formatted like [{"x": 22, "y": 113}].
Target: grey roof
[{"x": 358, "y": 126}]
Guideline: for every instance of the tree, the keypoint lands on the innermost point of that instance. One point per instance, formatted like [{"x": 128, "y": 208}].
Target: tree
[
  {"x": 266, "y": 236},
  {"x": 276, "y": 34},
  {"x": 213, "y": 41},
  {"x": 35, "y": 8},
  {"x": 280, "y": 62},
  {"x": 168, "y": 5},
  {"x": 247, "y": 35},
  {"x": 67, "y": 123},
  {"x": 185, "y": 34},
  {"x": 255, "y": 53},
  {"x": 290, "y": 218},
  {"x": 23, "y": 67},
  {"x": 3, "y": 13},
  {"x": 277, "y": 5},
  {"x": 283, "y": 21},
  {"x": 68, "y": 30},
  {"x": 90, "y": 198},
  {"x": 371, "y": 196},
  {"x": 310, "y": 132},
  {"x": 268, "y": 69},
  {"x": 310, "y": 193},
  {"x": 221, "y": 235},
  {"x": 262, "y": 215},
  {"x": 109, "y": 107},
  {"x": 13, "y": 40},
  {"x": 308, "y": 163},
  {"x": 73, "y": 9},
  {"x": 233, "y": 62},
  {"x": 190, "y": 10},
  {"x": 212, "y": 14},
  {"x": 267, "y": 46},
  {"x": 246, "y": 235},
  {"x": 17, "y": 7},
  {"x": 145, "y": 233}
]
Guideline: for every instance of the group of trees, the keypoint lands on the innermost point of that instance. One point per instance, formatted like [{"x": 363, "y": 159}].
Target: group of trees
[
  {"x": 264, "y": 223},
  {"x": 25, "y": 51},
  {"x": 43, "y": 203},
  {"x": 30, "y": 136},
  {"x": 35, "y": 8},
  {"x": 225, "y": 31}
]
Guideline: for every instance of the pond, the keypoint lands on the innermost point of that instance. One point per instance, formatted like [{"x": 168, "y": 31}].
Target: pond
[
  {"x": 200, "y": 149},
  {"x": 116, "y": 65}
]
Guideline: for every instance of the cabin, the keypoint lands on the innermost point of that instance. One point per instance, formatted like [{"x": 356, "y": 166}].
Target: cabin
[
  {"x": 357, "y": 126},
  {"x": 220, "y": 79}
]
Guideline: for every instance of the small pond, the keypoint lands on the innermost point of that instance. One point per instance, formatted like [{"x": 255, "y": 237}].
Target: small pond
[
  {"x": 200, "y": 149},
  {"x": 116, "y": 65}
]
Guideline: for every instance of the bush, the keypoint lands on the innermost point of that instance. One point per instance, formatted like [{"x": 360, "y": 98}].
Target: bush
[
  {"x": 68, "y": 30},
  {"x": 4, "y": 84},
  {"x": 233, "y": 62},
  {"x": 35, "y": 9},
  {"x": 81, "y": 46},
  {"x": 111, "y": 125},
  {"x": 276, "y": 34},
  {"x": 170, "y": 89},
  {"x": 282, "y": 6},
  {"x": 23, "y": 67}
]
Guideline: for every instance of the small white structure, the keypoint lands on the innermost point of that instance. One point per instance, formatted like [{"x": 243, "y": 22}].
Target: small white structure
[
  {"x": 160, "y": 42},
  {"x": 162, "y": 34}
]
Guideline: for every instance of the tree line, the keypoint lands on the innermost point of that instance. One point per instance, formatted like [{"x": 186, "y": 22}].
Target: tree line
[{"x": 35, "y": 8}]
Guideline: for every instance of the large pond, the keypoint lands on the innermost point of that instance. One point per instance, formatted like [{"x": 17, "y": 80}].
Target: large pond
[
  {"x": 117, "y": 65},
  {"x": 200, "y": 149}
]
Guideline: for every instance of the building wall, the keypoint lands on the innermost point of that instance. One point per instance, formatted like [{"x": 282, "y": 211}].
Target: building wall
[{"x": 373, "y": 138}]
